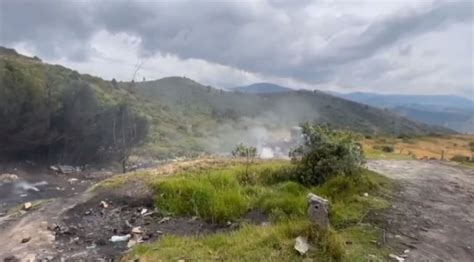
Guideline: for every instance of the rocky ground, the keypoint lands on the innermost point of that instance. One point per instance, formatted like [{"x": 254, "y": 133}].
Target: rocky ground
[
  {"x": 432, "y": 216},
  {"x": 81, "y": 226}
]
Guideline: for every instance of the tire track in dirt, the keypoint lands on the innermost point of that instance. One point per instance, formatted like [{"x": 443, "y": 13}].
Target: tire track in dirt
[{"x": 433, "y": 214}]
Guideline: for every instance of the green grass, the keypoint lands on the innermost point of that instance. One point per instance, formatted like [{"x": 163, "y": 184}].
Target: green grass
[
  {"x": 250, "y": 243},
  {"x": 227, "y": 193}
]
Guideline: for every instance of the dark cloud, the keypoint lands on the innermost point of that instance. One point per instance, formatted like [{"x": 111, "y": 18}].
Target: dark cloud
[
  {"x": 53, "y": 28},
  {"x": 275, "y": 37}
]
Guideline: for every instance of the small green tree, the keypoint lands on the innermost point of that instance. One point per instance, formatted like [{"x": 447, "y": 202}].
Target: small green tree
[
  {"x": 325, "y": 153},
  {"x": 242, "y": 150}
]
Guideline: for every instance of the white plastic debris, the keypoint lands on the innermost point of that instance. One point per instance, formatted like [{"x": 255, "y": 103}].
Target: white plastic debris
[
  {"x": 104, "y": 204},
  {"x": 120, "y": 238},
  {"x": 301, "y": 245},
  {"x": 137, "y": 230},
  {"x": 397, "y": 258},
  {"x": 27, "y": 205},
  {"x": 163, "y": 220},
  {"x": 144, "y": 210},
  {"x": 366, "y": 194}
]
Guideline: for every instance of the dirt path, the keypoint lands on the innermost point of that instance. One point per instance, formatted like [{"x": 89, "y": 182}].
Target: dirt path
[{"x": 433, "y": 214}]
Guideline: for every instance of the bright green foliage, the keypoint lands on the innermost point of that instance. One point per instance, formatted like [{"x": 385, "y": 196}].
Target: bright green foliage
[
  {"x": 326, "y": 153},
  {"x": 216, "y": 197}
]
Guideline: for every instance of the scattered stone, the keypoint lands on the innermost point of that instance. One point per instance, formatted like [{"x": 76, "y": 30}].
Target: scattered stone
[
  {"x": 143, "y": 212},
  {"x": 301, "y": 245},
  {"x": 397, "y": 258},
  {"x": 163, "y": 220},
  {"x": 8, "y": 178},
  {"x": 159, "y": 232},
  {"x": 318, "y": 210},
  {"x": 366, "y": 194},
  {"x": 27, "y": 206},
  {"x": 88, "y": 212},
  {"x": 103, "y": 204},
  {"x": 25, "y": 240},
  {"x": 406, "y": 251}
]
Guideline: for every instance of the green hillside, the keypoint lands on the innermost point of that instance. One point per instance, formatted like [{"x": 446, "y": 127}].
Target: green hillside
[{"x": 184, "y": 117}]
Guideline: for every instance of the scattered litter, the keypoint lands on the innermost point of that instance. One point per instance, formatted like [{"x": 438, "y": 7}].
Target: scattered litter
[
  {"x": 159, "y": 232},
  {"x": 93, "y": 246},
  {"x": 64, "y": 169},
  {"x": 149, "y": 213},
  {"x": 131, "y": 243},
  {"x": 27, "y": 205},
  {"x": 144, "y": 210},
  {"x": 366, "y": 194},
  {"x": 72, "y": 180},
  {"x": 26, "y": 186},
  {"x": 120, "y": 238},
  {"x": 137, "y": 230},
  {"x": 397, "y": 258},
  {"x": 88, "y": 212},
  {"x": 25, "y": 240},
  {"x": 406, "y": 251},
  {"x": 104, "y": 204},
  {"x": 301, "y": 245},
  {"x": 163, "y": 220}
]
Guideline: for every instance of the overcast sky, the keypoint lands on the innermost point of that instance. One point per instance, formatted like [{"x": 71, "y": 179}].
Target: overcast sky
[{"x": 393, "y": 46}]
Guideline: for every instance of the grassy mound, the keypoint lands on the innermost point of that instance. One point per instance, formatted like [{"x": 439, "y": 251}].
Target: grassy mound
[{"x": 227, "y": 193}]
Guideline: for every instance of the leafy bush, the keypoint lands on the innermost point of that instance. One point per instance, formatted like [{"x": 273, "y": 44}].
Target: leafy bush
[
  {"x": 242, "y": 150},
  {"x": 326, "y": 153}
]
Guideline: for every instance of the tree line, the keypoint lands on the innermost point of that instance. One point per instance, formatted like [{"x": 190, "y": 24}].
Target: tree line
[{"x": 63, "y": 122}]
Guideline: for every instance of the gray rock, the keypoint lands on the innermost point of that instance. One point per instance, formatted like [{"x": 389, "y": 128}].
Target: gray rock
[{"x": 318, "y": 210}]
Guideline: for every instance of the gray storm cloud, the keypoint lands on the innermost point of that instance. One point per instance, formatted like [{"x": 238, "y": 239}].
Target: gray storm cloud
[{"x": 275, "y": 38}]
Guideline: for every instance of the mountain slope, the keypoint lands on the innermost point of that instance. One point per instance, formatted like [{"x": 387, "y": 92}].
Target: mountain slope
[
  {"x": 443, "y": 110},
  {"x": 261, "y": 88},
  {"x": 278, "y": 110},
  {"x": 185, "y": 117}
]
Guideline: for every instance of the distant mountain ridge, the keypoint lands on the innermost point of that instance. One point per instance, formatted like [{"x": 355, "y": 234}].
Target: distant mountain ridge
[
  {"x": 261, "y": 88},
  {"x": 380, "y": 100},
  {"x": 450, "y": 111}
]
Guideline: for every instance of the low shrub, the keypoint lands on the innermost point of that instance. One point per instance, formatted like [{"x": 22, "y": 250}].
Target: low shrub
[
  {"x": 326, "y": 153},
  {"x": 460, "y": 158}
]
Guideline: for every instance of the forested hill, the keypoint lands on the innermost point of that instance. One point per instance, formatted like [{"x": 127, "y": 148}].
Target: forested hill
[
  {"x": 70, "y": 117},
  {"x": 277, "y": 109}
]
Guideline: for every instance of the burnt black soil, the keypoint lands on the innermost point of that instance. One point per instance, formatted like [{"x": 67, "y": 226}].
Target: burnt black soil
[{"x": 86, "y": 229}]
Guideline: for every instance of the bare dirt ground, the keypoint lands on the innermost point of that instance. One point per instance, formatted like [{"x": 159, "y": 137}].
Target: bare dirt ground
[{"x": 432, "y": 215}]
